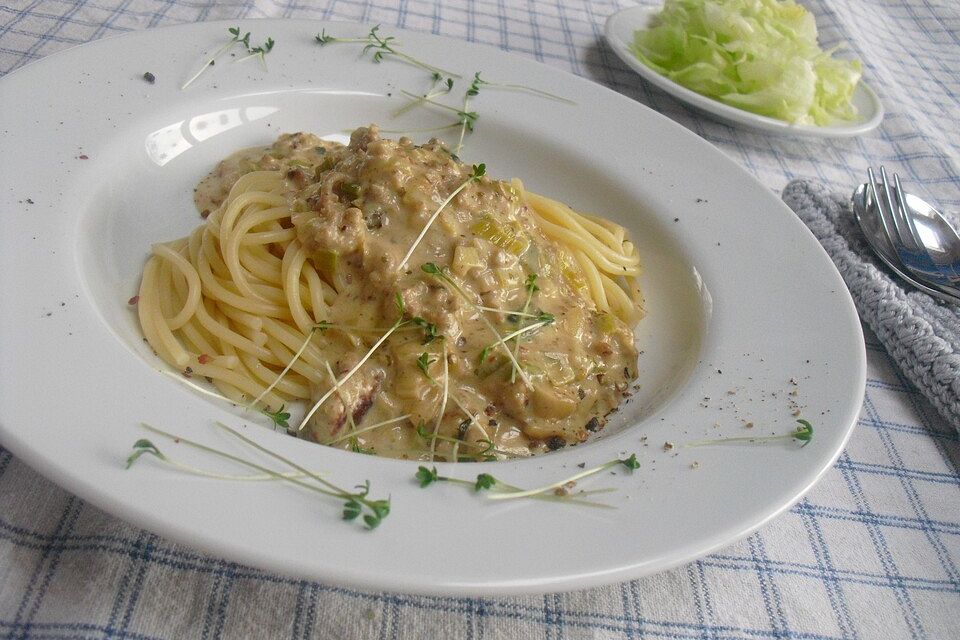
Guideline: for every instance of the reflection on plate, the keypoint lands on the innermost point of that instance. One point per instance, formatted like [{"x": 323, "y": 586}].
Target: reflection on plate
[
  {"x": 619, "y": 33},
  {"x": 728, "y": 341}
]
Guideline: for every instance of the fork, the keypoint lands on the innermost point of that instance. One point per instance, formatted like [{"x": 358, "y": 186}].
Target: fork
[{"x": 901, "y": 230}]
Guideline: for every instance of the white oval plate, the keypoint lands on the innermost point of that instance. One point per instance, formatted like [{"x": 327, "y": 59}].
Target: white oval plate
[
  {"x": 98, "y": 164},
  {"x": 619, "y": 33}
]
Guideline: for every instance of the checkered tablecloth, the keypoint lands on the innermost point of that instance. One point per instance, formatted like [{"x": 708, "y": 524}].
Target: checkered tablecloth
[{"x": 872, "y": 552}]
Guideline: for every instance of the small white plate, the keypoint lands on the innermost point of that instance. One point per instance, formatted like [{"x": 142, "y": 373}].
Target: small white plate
[
  {"x": 98, "y": 164},
  {"x": 619, "y": 33}
]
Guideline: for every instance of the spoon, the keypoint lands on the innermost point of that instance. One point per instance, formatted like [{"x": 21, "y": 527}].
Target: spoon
[
  {"x": 877, "y": 239},
  {"x": 937, "y": 234}
]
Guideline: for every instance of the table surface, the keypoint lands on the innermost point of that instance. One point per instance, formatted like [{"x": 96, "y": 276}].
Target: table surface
[{"x": 873, "y": 551}]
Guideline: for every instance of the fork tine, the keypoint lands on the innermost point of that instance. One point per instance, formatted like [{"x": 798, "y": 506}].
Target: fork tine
[
  {"x": 884, "y": 218},
  {"x": 905, "y": 212},
  {"x": 899, "y": 224}
]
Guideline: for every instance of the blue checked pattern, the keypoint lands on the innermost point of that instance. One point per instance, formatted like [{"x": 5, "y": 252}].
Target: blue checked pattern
[{"x": 872, "y": 552}]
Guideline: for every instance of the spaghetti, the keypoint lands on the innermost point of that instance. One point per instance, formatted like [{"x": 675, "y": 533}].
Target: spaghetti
[{"x": 288, "y": 281}]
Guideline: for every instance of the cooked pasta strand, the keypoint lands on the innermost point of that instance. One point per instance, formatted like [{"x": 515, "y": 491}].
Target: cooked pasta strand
[{"x": 252, "y": 303}]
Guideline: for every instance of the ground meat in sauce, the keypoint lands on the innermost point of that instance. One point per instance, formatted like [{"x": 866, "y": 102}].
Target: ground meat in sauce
[{"x": 357, "y": 210}]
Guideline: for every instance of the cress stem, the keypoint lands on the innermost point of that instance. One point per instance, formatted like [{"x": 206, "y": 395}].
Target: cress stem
[
  {"x": 556, "y": 485},
  {"x": 252, "y": 465}
]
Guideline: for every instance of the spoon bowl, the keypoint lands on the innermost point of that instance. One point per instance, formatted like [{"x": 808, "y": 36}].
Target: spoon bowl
[{"x": 938, "y": 235}]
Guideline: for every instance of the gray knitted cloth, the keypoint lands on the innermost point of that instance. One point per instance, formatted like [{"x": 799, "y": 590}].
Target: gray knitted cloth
[{"x": 920, "y": 333}]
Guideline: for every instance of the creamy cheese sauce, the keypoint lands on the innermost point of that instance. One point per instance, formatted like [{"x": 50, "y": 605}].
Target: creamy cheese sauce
[{"x": 357, "y": 210}]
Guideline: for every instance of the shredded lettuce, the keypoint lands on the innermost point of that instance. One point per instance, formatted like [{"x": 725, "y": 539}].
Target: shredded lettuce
[{"x": 758, "y": 55}]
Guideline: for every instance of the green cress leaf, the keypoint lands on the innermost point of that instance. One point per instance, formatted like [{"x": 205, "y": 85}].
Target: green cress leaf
[
  {"x": 631, "y": 462},
  {"x": 804, "y": 432},
  {"x": 531, "y": 284},
  {"x": 424, "y": 362},
  {"x": 356, "y": 448},
  {"x": 426, "y": 477},
  {"x": 430, "y": 332},
  {"x": 351, "y": 509},
  {"x": 364, "y": 489},
  {"x": 422, "y": 431},
  {"x": 279, "y": 417},
  {"x": 322, "y": 38},
  {"x": 381, "y": 508},
  {"x": 484, "y": 481},
  {"x": 475, "y": 85},
  {"x": 468, "y": 119},
  {"x": 140, "y": 447}
]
